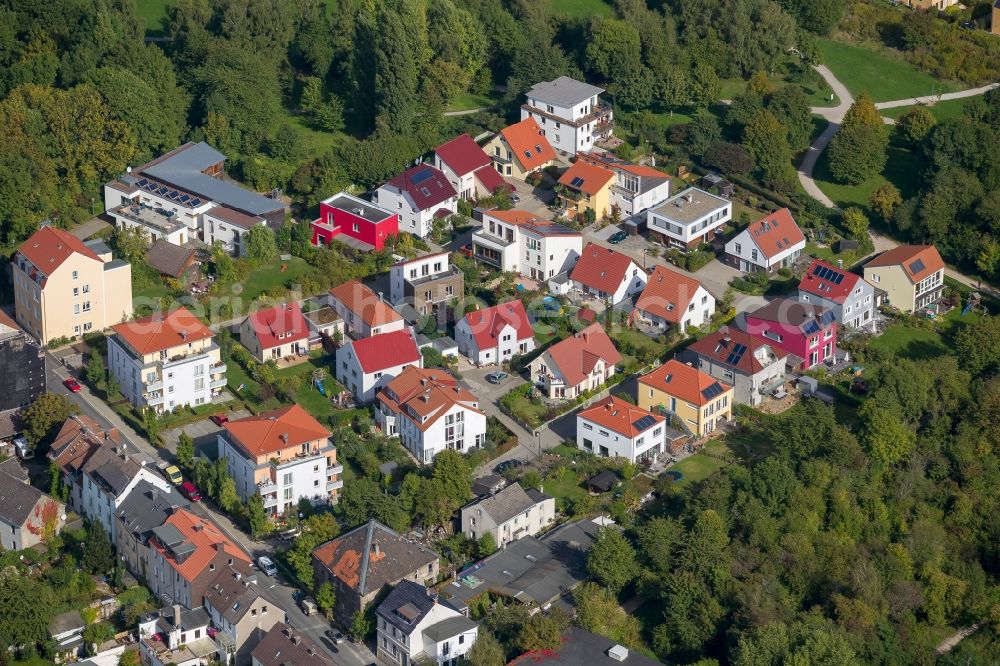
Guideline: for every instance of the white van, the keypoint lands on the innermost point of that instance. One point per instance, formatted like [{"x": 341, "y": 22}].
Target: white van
[
  {"x": 24, "y": 452},
  {"x": 266, "y": 565}
]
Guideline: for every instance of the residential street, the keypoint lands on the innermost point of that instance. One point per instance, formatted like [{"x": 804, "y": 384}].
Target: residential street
[{"x": 347, "y": 654}]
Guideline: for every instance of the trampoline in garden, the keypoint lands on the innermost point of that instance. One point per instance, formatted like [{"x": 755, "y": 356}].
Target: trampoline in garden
[{"x": 674, "y": 475}]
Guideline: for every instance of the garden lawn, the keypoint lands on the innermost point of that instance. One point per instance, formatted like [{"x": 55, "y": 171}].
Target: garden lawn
[
  {"x": 644, "y": 346},
  {"x": 946, "y": 110},
  {"x": 524, "y": 409},
  {"x": 580, "y": 8},
  {"x": 695, "y": 468},
  {"x": 152, "y": 13},
  {"x": 910, "y": 342},
  {"x": 150, "y": 294},
  {"x": 307, "y": 396},
  {"x": 883, "y": 76},
  {"x": 902, "y": 169},
  {"x": 817, "y": 96},
  {"x": 564, "y": 486},
  {"x": 469, "y": 101},
  {"x": 270, "y": 275},
  {"x": 314, "y": 141}
]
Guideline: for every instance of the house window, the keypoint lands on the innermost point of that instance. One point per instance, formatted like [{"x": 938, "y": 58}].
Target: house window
[
  {"x": 753, "y": 255},
  {"x": 739, "y": 249},
  {"x": 86, "y": 306},
  {"x": 76, "y": 274},
  {"x": 356, "y": 228}
]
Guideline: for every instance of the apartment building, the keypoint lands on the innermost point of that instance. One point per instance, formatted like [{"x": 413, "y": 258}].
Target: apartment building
[
  {"x": 283, "y": 645},
  {"x": 64, "y": 287},
  {"x": 242, "y": 609},
  {"x": 570, "y": 113},
  {"x": 522, "y": 242},
  {"x": 430, "y": 413},
  {"x": 356, "y": 223},
  {"x": 144, "y": 509},
  {"x": 912, "y": 276},
  {"x": 689, "y": 218},
  {"x": 698, "y": 400},
  {"x": 613, "y": 428},
  {"x": 418, "y": 196},
  {"x": 428, "y": 284},
  {"x": 184, "y": 195},
  {"x": 166, "y": 360},
  {"x": 364, "y": 312},
  {"x": 284, "y": 455},
  {"x": 508, "y": 515}
]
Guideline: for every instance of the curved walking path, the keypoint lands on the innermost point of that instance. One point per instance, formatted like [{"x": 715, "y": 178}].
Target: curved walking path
[{"x": 835, "y": 115}]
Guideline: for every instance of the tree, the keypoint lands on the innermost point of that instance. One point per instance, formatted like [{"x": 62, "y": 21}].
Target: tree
[
  {"x": 41, "y": 417},
  {"x": 28, "y": 609},
  {"x": 433, "y": 505},
  {"x": 227, "y": 497},
  {"x": 97, "y": 553},
  {"x": 185, "y": 450},
  {"x": 326, "y": 599},
  {"x": 888, "y": 439},
  {"x": 261, "y": 246},
  {"x": 613, "y": 47},
  {"x": 257, "y": 516},
  {"x": 856, "y": 223},
  {"x": 862, "y": 113},
  {"x": 452, "y": 469},
  {"x": 884, "y": 200},
  {"x": 791, "y": 106},
  {"x": 95, "y": 368},
  {"x": 978, "y": 345},
  {"x": 98, "y": 633},
  {"x": 129, "y": 657},
  {"x": 56, "y": 487},
  {"x": 988, "y": 258},
  {"x": 364, "y": 499},
  {"x": 325, "y": 111},
  {"x": 540, "y": 632},
  {"x": 858, "y": 151},
  {"x": 400, "y": 54},
  {"x": 360, "y": 626},
  {"x": 611, "y": 560},
  {"x": 486, "y": 545},
  {"x": 673, "y": 90},
  {"x": 729, "y": 158},
  {"x": 486, "y": 651},
  {"x": 703, "y": 133},
  {"x": 706, "y": 88},
  {"x": 766, "y": 139},
  {"x": 913, "y": 126}
]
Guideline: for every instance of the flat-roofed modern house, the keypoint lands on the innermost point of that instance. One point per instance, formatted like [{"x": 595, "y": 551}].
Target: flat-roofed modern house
[
  {"x": 428, "y": 284},
  {"x": 64, "y": 287},
  {"x": 181, "y": 194},
  {"x": 772, "y": 242},
  {"x": 912, "y": 276},
  {"x": 523, "y": 242},
  {"x": 570, "y": 113},
  {"x": 847, "y": 295},
  {"x": 358, "y": 224},
  {"x": 689, "y": 218}
]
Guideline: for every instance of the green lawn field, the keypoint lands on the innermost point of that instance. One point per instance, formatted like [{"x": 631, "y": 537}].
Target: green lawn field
[
  {"x": 152, "y": 13},
  {"x": 468, "y": 101},
  {"x": 945, "y": 110},
  {"x": 884, "y": 77},
  {"x": 902, "y": 169},
  {"x": 818, "y": 96},
  {"x": 584, "y": 8},
  {"x": 270, "y": 275}
]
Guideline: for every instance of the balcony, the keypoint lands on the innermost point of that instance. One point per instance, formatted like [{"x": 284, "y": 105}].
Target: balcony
[
  {"x": 270, "y": 501},
  {"x": 334, "y": 485},
  {"x": 218, "y": 368},
  {"x": 154, "y": 385},
  {"x": 150, "y": 218},
  {"x": 155, "y": 400},
  {"x": 426, "y": 279},
  {"x": 218, "y": 383},
  {"x": 336, "y": 469}
]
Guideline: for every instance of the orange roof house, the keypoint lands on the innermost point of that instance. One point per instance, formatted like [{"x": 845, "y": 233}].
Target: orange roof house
[
  {"x": 698, "y": 400},
  {"x": 912, "y": 276},
  {"x": 363, "y": 561},
  {"x": 772, "y": 242},
  {"x": 273, "y": 432},
  {"x": 588, "y": 186},
  {"x": 607, "y": 274},
  {"x": 162, "y": 331},
  {"x": 621, "y": 417},
  {"x": 519, "y": 149},
  {"x": 276, "y": 332},
  {"x": 674, "y": 298},
  {"x": 581, "y": 362}
]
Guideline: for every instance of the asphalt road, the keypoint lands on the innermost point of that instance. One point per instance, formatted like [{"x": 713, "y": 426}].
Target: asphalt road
[{"x": 346, "y": 654}]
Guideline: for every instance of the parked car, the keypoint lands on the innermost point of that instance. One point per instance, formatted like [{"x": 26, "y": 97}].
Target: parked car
[
  {"x": 335, "y": 636},
  {"x": 24, "y": 452},
  {"x": 617, "y": 237},
  {"x": 72, "y": 385},
  {"x": 308, "y": 606},
  {"x": 219, "y": 419},
  {"x": 267, "y": 565},
  {"x": 173, "y": 474},
  {"x": 514, "y": 198},
  {"x": 496, "y": 377},
  {"x": 189, "y": 491},
  {"x": 507, "y": 464}
]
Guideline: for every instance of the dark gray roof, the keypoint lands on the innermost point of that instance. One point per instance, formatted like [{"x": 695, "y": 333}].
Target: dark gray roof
[
  {"x": 605, "y": 480},
  {"x": 284, "y": 646},
  {"x": 536, "y": 495},
  {"x": 64, "y": 622},
  {"x": 98, "y": 246},
  {"x": 564, "y": 92},
  {"x": 485, "y": 484},
  {"x": 115, "y": 263},
  {"x": 147, "y": 507},
  {"x": 679, "y": 209},
  {"x": 406, "y": 606},
  {"x": 168, "y": 258},
  {"x": 232, "y": 592},
  {"x": 114, "y": 472},
  {"x": 447, "y": 628},
  {"x": 183, "y": 168},
  {"x": 531, "y": 570},
  {"x": 191, "y": 618},
  {"x": 17, "y": 499},
  {"x": 583, "y": 647},
  {"x": 505, "y": 504},
  {"x": 12, "y": 468}
]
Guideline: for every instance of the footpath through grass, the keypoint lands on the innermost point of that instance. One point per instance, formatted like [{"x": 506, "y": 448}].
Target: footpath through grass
[
  {"x": 883, "y": 75},
  {"x": 945, "y": 110}
]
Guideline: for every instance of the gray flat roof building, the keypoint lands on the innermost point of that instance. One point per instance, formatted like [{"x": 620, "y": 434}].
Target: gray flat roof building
[
  {"x": 563, "y": 92},
  {"x": 690, "y": 206}
]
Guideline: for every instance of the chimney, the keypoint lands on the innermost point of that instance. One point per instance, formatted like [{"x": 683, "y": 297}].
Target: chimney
[
  {"x": 177, "y": 616},
  {"x": 689, "y": 197},
  {"x": 375, "y": 549},
  {"x": 284, "y": 437},
  {"x": 840, "y": 263}
]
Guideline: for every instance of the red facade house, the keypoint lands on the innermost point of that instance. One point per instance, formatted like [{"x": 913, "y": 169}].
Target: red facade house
[
  {"x": 353, "y": 222},
  {"x": 809, "y": 332}
]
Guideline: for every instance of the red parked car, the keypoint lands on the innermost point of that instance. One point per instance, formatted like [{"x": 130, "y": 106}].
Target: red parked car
[
  {"x": 219, "y": 419},
  {"x": 189, "y": 491},
  {"x": 72, "y": 385}
]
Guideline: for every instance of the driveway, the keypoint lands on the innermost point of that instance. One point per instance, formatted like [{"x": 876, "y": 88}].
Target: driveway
[
  {"x": 532, "y": 199},
  {"x": 475, "y": 379},
  {"x": 204, "y": 433}
]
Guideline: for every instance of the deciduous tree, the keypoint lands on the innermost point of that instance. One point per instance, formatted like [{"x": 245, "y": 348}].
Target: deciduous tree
[
  {"x": 611, "y": 560},
  {"x": 42, "y": 417}
]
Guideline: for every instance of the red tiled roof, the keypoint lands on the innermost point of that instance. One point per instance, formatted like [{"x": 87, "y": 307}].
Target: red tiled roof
[
  {"x": 427, "y": 393},
  {"x": 720, "y": 345},
  {"x": 281, "y": 320},
  {"x": 601, "y": 268},
  {"x": 427, "y": 186},
  {"x": 775, "y": 233},
  {"x": 491, "y": 180},
  {"x": 365, "y": 303},
  {"x": 577, "y": 355},
  {"x": 831, "y": 290},
  {"x": 615, "y": 414},
  {"x": 270, "y": 432},
  {"x": 528, "y": 144},
  {"x": 49, "y": 247},
  {"x": 463, "y": 155},
  {"x": 683, "y": 382},
  {"x": 906, "y": 256},
  {"x": 386, "y": 350},
  {"x": 162, "y": 330},
  {"x": 667, "y": 294},
  {"x": 207, "y": 540},
  {"x": 487, "y": 324},
  {"x": 586, "y": 314},
  {"x": 589, "y": 178}
]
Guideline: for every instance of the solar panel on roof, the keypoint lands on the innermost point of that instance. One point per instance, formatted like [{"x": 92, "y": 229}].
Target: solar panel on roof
[
  {"x": 917, "y": 266},
  {"x": 826, "y": 317},
  {"x": 184, "y": 198},
  {"x": 643, "y": 423},
  {"x": 195, "y": 202},
  {"x": 421, "y": 176},
  {"x": 737, "y": 354},
  {"x": 577, "y": 182},
  {"x": 142, "y": 182},
  {"x": 712, "y": 391},
  {"x": 838, "y": 278},
  {"x": 811, "y": 328},
  {"x": 151, "y": 187},
  {"x": 173, "y": 194}
]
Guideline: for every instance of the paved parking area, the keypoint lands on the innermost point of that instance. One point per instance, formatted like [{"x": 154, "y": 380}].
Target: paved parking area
[
  {"x": 533, "y": 199},
  {"x": 475, "y": 379},
  {"x": 203, "y": 433}
]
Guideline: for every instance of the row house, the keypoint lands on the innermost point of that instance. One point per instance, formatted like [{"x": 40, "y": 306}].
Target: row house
[
  {"x": 570, "y": 112},
  {"x": 358, "y": 224},
  {"x": 522, "y": 242},
  {"x": 144, "y": 509},
  {"x": 495, "y": 335},
  {"x": 64, "y": 287},
  {"x": 241, "y": 610},
  {"x": 428, "y": 284},
  {"x": 177, "y": 636},
  {"x": 807, "y": 332},
  {"x": 418, "y": 196},
  {"x": 283, "y": 645},
  {"x": 364, "y": 366},
  {"x": 689, "y": 218},
  {"x": 772, "y": 242},
  {"x": 582, "y": 362},
  {"x": 699, "y": 401},
  {"x": 608, "y": 275},
  {"x": 672, "y": 298}
]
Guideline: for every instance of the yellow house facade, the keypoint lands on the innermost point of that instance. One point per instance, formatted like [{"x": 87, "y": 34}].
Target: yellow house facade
[
  {"x": 520, "y": 149},
  {"x": 699, "y": 400},
  {"x": 64, "y": 287},
  {"x": 587, "y": 186}
]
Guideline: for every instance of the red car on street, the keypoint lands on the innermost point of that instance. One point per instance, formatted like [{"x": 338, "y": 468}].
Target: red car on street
[
  {"x": 219, "y": 419},
  {"x": 189, "y": 491},
  {"x": 72, "y": 385}
]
